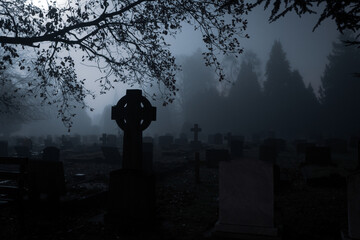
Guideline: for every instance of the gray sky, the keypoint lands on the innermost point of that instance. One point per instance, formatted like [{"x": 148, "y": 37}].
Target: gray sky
[{"x": 307, "y": 51}]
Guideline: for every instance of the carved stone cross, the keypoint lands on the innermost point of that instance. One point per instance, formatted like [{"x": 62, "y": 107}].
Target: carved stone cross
[
  {"x": 196, "y": 131},
  {"x": 133, "y": 114}
]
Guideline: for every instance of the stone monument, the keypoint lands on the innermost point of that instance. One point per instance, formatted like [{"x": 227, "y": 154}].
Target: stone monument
[{"x": 131, "y": 189}]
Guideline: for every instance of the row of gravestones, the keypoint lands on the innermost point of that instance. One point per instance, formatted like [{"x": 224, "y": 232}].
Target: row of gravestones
[
  {"x": 45, "y": 176},
  {"x": 246, "y": 187}
]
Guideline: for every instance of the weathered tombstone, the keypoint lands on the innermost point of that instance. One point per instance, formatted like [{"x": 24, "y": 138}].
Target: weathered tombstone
[
  {"x": 302, "y": 146},
  {"x": 148, "y": 139},
  {"x": 271, "y": 134},
  {"x": 4, "y": 149},
  {"x": 196, "y": 144},
  {"x": 211, "y": 139},
  {"x": 337, "y": 145},
  {"x": 66, "y": 142},
  {"x": 236, "y": 148},
  {"x": 228, "y": 138},
  {"x": 46, "y": 176},
  {"x": 103, "y": 139},
  {"x": 318, "y": 156},
  {"x": 165, "y": 141},
  {"x": 214, "y": 156},
  {"x": 279, "y": 143},
  {"x": 246, "y": 199},
  {"x": 131, "y": 198},
  {"x": 197, "y": 167},
  {"x": 255, "y": 138},
  {"x": 48, "y": 142},
  {"x": 51, "y": 154},
  {"x": 111, "y": 154},
  {"x": 111, "y": 140},
  {"x": 218, "y": 139},
  {"x": 75, "y": 140},
  {"x": 22, "y": 151},
  {"x": 353, "y": 203},
  {"x": 181, "y": 141},
  {"x": 268, "y": 153},
  {"x": 353, "y": 141}
]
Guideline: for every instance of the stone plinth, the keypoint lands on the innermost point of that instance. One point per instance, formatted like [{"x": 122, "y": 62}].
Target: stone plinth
[{"x": 131, "y": 197}]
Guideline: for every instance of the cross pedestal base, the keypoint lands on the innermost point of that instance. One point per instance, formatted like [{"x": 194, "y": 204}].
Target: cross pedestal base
[
  {"x": 131, "y": 199},
  {"x": 245, "y": 232}
]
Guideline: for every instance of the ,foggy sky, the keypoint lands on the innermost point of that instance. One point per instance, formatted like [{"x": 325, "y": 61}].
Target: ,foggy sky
[{"x": 306, "y": 51}]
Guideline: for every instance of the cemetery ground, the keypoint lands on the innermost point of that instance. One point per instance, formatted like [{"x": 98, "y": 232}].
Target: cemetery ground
[{"x": 185, "y": 209}]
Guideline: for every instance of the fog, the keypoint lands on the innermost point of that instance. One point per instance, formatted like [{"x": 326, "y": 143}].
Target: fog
[{"x": 219, "y": 107}]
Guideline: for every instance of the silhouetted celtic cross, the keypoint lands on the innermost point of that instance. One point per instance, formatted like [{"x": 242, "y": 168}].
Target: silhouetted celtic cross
[{"x": 133, "y": 113}]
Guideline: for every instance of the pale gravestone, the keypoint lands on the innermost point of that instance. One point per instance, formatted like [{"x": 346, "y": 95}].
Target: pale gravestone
[
  {"x": 246, "y": 199},
  {"x": 353, "y": 195},
  {"x": 131, "y": 190}
]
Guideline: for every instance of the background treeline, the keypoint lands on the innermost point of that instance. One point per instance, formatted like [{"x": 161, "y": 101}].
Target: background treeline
[{"x": 277, "y": 100}]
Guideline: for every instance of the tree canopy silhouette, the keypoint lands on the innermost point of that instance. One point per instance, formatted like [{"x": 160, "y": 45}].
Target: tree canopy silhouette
[
  {"x": 346, "y": 14},
  {"x": 125, "y": 39}
]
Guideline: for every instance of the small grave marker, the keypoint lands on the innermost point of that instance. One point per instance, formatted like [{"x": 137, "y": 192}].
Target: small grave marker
[
  {"x": 320, "y": 156},
  {"x": 4, "y": 149},
  {"x": 196, "y": 144},
  {"x": 196, "y": 131}
]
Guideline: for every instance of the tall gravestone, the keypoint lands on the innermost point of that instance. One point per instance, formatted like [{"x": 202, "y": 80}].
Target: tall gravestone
[{"x": 132, "y": 190}]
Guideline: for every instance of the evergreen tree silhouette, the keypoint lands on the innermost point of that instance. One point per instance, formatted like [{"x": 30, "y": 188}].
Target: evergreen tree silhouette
[
  {"x": 339, "y": 93},
  {"x": 245, "y": 97}
]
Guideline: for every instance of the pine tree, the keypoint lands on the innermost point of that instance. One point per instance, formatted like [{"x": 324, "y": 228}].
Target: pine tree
[
  {"x": 287, "y": 101},
  {"x": 245, "y": 97},
  {"x": 340, "y": 89}
]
